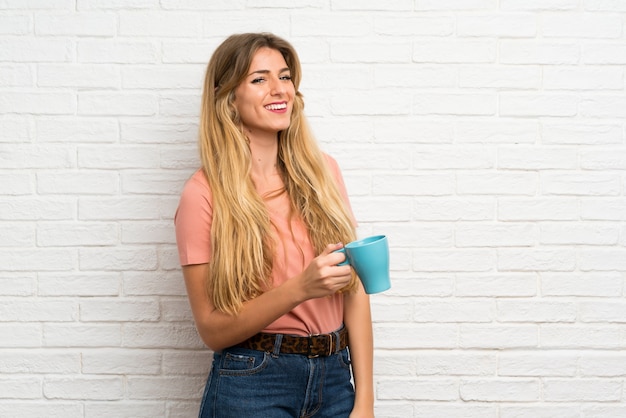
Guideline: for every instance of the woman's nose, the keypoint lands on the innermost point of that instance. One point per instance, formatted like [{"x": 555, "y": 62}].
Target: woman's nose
[{"x": 276, "y": 86}]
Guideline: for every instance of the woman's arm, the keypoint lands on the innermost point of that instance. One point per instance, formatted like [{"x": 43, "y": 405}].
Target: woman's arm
[
  {"x": 358, "y": 320},
  {"x": 219, "y": 330}
]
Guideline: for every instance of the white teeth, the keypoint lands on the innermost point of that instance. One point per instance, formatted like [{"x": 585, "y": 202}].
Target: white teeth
[{"x": 276, "y": 106}]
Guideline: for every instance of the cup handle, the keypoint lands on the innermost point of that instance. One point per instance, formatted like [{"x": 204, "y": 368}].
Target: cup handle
[{"x": 346, "y": 261}]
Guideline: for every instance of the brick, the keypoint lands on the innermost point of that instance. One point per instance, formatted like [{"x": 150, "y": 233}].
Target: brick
[
  {"x": 65, "y": 183},
  {"x": 124, "y": 408},
  {"x": 449, "y": 409},
  {"x": 407, "y": 336},
  {"x": 41, "y": 361},
  {"x": 161, "y": 336},
  {"x": 33, "y": 49},
  {"x": 597, "y": 390},
  {"x": 467, "y": 157},
  {"x": 604, "y": 53},
  {"x": 488, "y": 336},
  {"x": 537, "y": 158},
  {"x": 17, "y": 183},
  {"x": 146, "y": 284},
  {"x": 20, "y": 335},
  {"x": 78, "y": 76},
  {"x": 456, "y": 363},
  {"x": 186, "y": 362},
  {"x": 36, "y": 310},
  {"x": 17, "y": 409},
  {"x": 172, "y": 387},
  {"x": 117, "y": 259},
  {"x": 580, "y": 133},
  {"x": 593, "y": 284},
  {"x": 603, "y": 209},
  {"x": 422, "y": 389},
  {"x": 495, "y": 235},
  {"x": 72, "y": 335},
  {"x": 52, "y": 259},
  {"x": 496, "y": 285},
  {"x": 424, "y": 76},
  {"x": 524, "y": 104},
  {"x": 509, "y": 25},
  {"x": 605, "y": 312},
  {"x": 610, "y": 106},
  {"x": 452, "y": 209},
  {"x": 454, "y": 311},
  {"x": 73, "y": 130},
  {"x": 174, "y": 24},
  {"x": 587, "y": 26},
  {"x": 38, "y": 103},
  {"x": 587, "y": 184},
  {"x": 454, "y": 104},
  {"x": 496, "y": 131},
  {"x": 414, "y": 26},
  {"x": 502, "y": 390},
  {"x": 78, "y": 284},
  {"x": 392, "y": 5},
  {"x": 88, "y": 388},
  {"x": 115, "y": 4},
  {"x": 528, "y": 363},
  {"x": 76, "y": 24},
  {"x": 339, "y": 25},
  {"x": 16, "y": 75},
  {"x": 506, "y": 76},
  {"x": 544, "y": 208},
  {"x": 590, "y": 78},
  {"x": 111, "y": 51},
  {"x": 565, "y": 233},
  {"x": 503, "y": 183},
  {"x": 119, "y": 310},
  {"x": 456, "y": 51},
  {"x": 455, "y": 5},
  {"x": 76, "y": 234},
  {"x": 120, "y": 362},
  {"x": 18, "y": 285},
  {"x": 163, "y": 77},
  {"x": 540, "y": 311},
  {"x": 521, "y": 51},
  {"x": 578, "y": 337},
  {"x": 127, "y": 208},
  {"x": 20, "y": 387},
  {"x": 539, "y": 5},
  {"x": 116, "y": 104},
  {"x": 154, "y": 182}
]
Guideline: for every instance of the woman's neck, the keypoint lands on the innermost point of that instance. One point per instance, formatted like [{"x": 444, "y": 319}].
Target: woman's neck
[{"x": 264, "y": 154}]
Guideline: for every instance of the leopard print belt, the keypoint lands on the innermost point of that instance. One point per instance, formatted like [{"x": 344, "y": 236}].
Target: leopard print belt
[{"x": 319, "y": 345}]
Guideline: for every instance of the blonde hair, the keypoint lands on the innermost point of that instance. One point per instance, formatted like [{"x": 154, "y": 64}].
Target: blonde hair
[{"x": 241, "y": 237}]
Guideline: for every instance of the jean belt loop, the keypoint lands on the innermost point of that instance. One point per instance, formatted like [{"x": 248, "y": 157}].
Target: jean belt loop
[
  {"x": 337, "y": 341},
  {"x": 277, "y": 343}
]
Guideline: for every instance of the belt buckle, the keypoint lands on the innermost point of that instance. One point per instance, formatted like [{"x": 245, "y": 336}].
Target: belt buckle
[{"x": 329, "y": 345}]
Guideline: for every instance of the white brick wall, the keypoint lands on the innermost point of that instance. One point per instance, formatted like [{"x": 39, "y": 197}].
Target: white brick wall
[{"x": 485, "y": 137}]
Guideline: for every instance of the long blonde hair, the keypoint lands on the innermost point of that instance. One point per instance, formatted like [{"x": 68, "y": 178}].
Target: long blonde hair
[{"x": 241, "y": 237}]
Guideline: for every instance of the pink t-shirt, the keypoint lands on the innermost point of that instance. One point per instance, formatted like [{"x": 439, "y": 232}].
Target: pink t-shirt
[{"x": 294, "y": 251}]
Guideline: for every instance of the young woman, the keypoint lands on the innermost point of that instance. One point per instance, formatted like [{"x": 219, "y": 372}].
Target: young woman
[{"x": 257, "y": 228}]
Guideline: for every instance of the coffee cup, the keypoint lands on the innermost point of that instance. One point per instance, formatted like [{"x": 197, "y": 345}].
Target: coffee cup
[{"x": 369, "y": 257}]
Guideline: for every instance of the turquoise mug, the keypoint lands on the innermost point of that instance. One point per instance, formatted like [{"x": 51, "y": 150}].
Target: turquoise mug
[{"x": 369, "y": 257}]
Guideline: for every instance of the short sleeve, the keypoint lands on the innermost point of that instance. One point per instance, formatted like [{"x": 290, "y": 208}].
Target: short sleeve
[
  {"x": 336, "y": 172},
  {"x": 192, "y": 221}
]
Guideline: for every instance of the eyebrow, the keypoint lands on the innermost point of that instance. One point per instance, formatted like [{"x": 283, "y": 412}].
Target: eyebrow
[{"x": 282, "y": 70}]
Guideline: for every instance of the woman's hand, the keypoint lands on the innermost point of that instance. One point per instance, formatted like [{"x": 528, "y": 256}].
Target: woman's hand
[{"x": 323, "y": 276}]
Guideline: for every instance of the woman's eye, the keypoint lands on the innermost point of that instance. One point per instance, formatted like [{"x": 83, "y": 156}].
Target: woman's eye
[{"x": 258, "y": 80}]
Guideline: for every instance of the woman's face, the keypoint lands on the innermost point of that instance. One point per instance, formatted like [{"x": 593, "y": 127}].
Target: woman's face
[{"x": 264, "y": 99}]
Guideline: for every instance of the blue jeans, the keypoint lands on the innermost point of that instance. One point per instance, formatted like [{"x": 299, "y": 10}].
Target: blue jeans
[{"x": 246, "y": 383}]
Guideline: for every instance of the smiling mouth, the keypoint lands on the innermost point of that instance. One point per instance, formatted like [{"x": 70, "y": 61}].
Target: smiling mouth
[{"x": 276, "y": 106}]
